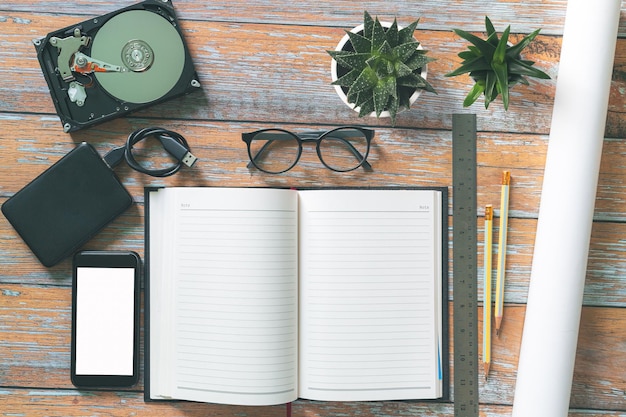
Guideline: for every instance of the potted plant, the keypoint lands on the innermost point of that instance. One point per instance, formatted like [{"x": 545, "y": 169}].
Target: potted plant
[
  {"x": 495, "y": 64},
  {"x": 379, "y": 68}
]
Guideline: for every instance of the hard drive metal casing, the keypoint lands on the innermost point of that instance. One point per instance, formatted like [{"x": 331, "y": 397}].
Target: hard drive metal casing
[{"x": 79, "y": 97}]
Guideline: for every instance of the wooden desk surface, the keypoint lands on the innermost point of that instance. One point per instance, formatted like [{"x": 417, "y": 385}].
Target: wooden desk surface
[{"x": 263, "y": 64}]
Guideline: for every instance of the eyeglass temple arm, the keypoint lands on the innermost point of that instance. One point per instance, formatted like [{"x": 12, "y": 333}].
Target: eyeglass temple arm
[{"x": 271, "y": 137}]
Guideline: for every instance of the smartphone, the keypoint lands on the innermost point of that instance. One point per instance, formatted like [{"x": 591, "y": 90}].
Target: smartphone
[{"x": 105, "y": 319}]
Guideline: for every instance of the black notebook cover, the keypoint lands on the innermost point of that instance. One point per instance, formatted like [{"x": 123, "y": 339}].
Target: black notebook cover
[
  {"x": 67, "y": 204},
  {"x": 445, "y": 348}
]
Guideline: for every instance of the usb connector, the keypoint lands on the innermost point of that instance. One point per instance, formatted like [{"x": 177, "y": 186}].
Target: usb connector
[
  {"x": 177, "y": 150},
  {"x": 189, "y": 159},
  {"x": 115, "y": 156}
]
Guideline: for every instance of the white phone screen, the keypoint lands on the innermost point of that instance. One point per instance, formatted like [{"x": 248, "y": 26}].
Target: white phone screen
[{"x": 104, "y": 321}]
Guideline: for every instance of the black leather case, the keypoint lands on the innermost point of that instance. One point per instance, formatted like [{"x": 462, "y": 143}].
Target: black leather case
[{"x": 67, "y": 204}]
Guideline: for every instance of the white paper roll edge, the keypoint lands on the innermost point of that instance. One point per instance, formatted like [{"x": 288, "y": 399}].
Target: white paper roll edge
[{"x": 548, "y": 349}]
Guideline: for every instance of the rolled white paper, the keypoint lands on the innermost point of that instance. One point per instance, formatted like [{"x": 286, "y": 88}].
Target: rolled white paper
[{"x": 548, "y": 350}]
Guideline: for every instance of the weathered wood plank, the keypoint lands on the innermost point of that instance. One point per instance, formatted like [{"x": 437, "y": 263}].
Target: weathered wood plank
[
  {"x": 399, "y": 157},
  {"x": 605, "y": 269},
  {"x": 43, "y": 403},
  {"x": 36, "y": 322},
  {"x": 594, "y": 367},
  {"x": 229, "y": 55},
  {"x": 524, "y": 16}
]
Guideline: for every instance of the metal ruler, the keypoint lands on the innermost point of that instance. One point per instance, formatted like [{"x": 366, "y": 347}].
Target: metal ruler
[{"x": 464, "y": 249}]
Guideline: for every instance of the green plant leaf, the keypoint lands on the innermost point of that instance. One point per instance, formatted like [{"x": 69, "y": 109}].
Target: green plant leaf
[
  {"x": 378, "y": 36},
  {"x": 474, "y": 50},
  {"x": 352, "y": 97},
  {"x": 474, "y": 93},
  {"x": 515, "y": 50},
  {"x": 485, "y": 48},
  {"x": 360, "y": 43},
  {"x": 347, "y": 80},
  {"x": 391, "y": 86},
  {"x": 404, "y": 98},
  {"x": 428, "y": 87},
  {"x": 335, "y": 54},
  {"x": 477, "y": 64},
  {"x": 418, "y": 61},
  {"x": 366, "y": 80},
  {"x": 406, "y": 33},
  {"x": 490, "y": 87},
  {"x": 390, "y": 70},
  {"x": 480, "y": 75},
  {"x": 405, "y": 51},
  {"x": 366, "y": 107},
  {"x": 368, "y": 25},
  {"x": 502, "y": 83},
  {"x": 352, "y": 61},
  {"x": 492, "y": 35},
  {"x": 393, "y": 106},
  {"x": 521, "y": 67},
  {"x": 517, "y": 79},
  {"x": 416, "y": 81},
  {"x": 493, "y": 40},
  {"x": 500, "y": 53},
  {"x": 391, "y": 34},
  {"x": 385, "y": 89},
  {"x": 412, "y": 81},
  {"x": 465, "y": 55},
  {"x": 385, "y": 51},
  {"x": 380, "y": 101},
  {"x": 489, "y": 98},
  {"x": 362, "y": 98},
  {"x": 491, "y": 95},
  {"x": 401, "y": 70},
  {"x": 489, "y": 26}
]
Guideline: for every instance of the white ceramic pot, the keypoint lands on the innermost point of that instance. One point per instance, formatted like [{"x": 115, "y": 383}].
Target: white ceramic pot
[{"x": 334, "y": 76}]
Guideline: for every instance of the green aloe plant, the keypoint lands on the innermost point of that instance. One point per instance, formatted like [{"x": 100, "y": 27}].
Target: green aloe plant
[
  {"x": 495, "y": 65},
  {"x": 383, "y": 69}
]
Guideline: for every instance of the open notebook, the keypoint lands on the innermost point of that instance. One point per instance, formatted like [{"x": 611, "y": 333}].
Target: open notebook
[{"x": 258, "y": 296}]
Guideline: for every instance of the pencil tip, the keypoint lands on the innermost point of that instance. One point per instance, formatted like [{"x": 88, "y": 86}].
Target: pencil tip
[
  {"x": 487, "y": 366},
  {"x": 498, "y": 324}
]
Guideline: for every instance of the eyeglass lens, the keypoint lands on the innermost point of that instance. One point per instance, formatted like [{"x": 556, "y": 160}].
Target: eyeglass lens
[
  {"x": 343, "y": 149},
  {"x": 277, "y": 151},
  {"x": 274, "y": 150}
]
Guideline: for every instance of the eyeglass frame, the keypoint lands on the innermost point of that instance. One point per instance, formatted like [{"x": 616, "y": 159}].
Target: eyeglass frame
[{"x": 319, "y": 136}]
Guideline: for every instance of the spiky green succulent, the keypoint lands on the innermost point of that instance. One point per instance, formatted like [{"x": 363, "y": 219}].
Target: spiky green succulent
[
  {"x": 384, "y": 68},
  {"x": 494, "y": 65}
]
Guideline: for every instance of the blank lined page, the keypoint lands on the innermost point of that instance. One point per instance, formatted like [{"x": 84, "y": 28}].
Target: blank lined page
[
  {"x": 235, "y": 295},
  {"x": 370, "y": 315}
]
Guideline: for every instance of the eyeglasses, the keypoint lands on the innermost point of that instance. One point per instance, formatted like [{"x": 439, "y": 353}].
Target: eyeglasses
[{"x": 276, "y": 150}]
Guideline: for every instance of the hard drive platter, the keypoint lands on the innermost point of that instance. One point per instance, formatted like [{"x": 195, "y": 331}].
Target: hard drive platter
[{"x": 114, "y": 64}]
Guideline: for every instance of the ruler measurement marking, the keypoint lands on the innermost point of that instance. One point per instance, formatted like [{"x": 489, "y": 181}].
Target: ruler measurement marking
[{"x": 465, "y": 265}]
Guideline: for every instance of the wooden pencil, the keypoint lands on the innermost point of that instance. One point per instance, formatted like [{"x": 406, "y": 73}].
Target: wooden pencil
[
  {"x": 502, "y": 238},
  {"x": 487, "y": 289}
]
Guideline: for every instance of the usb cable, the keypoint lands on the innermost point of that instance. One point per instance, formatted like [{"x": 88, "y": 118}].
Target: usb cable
[{"x": 174, "y": 143}]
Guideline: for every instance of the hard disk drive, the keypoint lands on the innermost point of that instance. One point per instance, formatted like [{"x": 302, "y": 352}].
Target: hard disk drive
[{"x": 114, "y": 64}]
